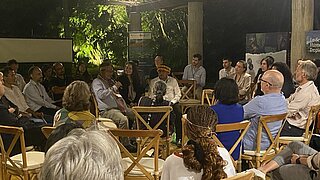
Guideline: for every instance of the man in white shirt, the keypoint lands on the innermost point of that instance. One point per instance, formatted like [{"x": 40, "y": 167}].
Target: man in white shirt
[
  {"x": 227, "y": 68},
  {"x": 15, "y": 96},
  {"x": 173, "y": 94},
  {"x": 195, "y": 71},
  {"x": 36, "y": 95},
  {"x": 19, "y": 81},
  {"x": 299, "y": 103}
]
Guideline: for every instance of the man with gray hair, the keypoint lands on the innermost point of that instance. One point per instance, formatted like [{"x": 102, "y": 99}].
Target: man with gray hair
[
  {"x": 300, "y": 102},
  {"x": 271, "y": 103},
  {"x": 83, "y": 155}
]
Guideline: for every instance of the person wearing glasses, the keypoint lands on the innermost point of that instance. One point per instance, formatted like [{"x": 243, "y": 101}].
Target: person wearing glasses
[
  {"x": 271, "y": 103},
  {"x": 299, "y": 103},
  {"x": 243, "y": 80}
]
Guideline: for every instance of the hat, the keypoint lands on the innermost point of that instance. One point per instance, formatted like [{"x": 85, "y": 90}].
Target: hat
[{"x": 163, "y": 67}]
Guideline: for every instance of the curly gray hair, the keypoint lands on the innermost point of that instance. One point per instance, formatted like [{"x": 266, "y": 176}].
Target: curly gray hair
[{"x": 83, "y": 155}]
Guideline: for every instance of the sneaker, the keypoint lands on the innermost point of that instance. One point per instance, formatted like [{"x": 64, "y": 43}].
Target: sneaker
[{"x": 259, "y": 175}]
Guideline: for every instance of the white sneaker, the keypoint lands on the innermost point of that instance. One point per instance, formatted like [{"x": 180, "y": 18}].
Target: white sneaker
[{"x": 258, "y": 174}]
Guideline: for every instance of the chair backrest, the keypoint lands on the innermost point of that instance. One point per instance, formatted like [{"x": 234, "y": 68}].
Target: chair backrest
[
  {"x": 274, "y": 141},
  {"x": 207, "y": 97},
  {"x": 177, "y": 75},
  {"x": 242, "y": 176},
  {"x": 242, "y": 127},
  {"x": 139, "y": 110},
  {"x": 190, "y": 92},
  {"x": 313, "y": 112},
  {"x": 47, "y": 130},
  {"x": 94, "y": 105},
  {"x": 154, "y": 135},
  {"x": 18, "y": 134}
]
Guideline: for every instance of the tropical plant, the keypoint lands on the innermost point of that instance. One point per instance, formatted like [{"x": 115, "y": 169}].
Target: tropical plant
[{"x": 169, "y": 34}]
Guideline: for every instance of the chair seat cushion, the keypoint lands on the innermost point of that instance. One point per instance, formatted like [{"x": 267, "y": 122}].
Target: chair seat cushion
[
  {"x": 35, "y": 160},
  {"x": 146, "y": 162},
  {"x": 253, "y": 153}
]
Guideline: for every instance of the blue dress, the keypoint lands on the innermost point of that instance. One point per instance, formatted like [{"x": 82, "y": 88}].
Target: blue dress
[{"x": 229, "y": 114}]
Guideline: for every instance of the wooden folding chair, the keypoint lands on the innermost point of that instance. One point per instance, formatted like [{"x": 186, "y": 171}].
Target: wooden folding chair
[
  {"x": 47, "y": 130},
  {"x": 306, "y": 137},
  {"x": 257, "y": 157},
  {"x": 242, "y": 176},
  {"x": 165, "y": 110},
  {"x": 139, "y": 166},
  {"x": 207, "y": 97},
  {"x": 242, "y": 127},
  {"x": 25, "y": 165},
  {"x": 188, "y": 97}
]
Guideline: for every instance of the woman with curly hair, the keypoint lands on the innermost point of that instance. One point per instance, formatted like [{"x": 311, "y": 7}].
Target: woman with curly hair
[
  {"x": 201, "y": 158},
  {"x": 75, "y": 104}
]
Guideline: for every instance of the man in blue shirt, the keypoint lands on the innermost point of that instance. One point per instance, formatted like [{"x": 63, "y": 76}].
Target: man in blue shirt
[{"x": 271, "y": 103}]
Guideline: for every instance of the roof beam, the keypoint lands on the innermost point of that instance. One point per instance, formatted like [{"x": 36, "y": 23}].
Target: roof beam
[{"x": 163, "y": 4}]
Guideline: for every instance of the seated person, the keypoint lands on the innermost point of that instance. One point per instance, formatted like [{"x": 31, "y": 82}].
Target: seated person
[
  {"x": 19, "y": 80},
  {"x": 110, "y": 103},
  {"x": 36, "y": 95},
  {"x": 32, "y": 130},
  {"x": 157, "y": 100},
  {"x": 271, "y": 103},
  {"x": 59, "y": 82},
  {"x": 83, "y": 155},
  {"x": 158, "y": 60},
  {"x": 173, "y": 94},
  {"x": 195, "y": 71},
  {"x": 300, "y": 102},
  {"x": 265, "y": 64},
  {"x": 131, "y": 89},
  {"x": 75, "y": 104},
  {"x": 242, "y": 79},
  {"x": 200, "y": 158},
  {"x": 15, "y": 97},
  {"x": 82, "y": 73},
  {"x": 60, "y": 132},
  {"x": 297, "y": 161},
  {"x": 288, "y": 86},
  {"x": 228, "y": 111},
  {"x": 47, "y": 76}
]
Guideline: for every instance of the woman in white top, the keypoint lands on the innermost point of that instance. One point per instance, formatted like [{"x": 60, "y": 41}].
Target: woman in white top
[{"x": 200, "y": 157}]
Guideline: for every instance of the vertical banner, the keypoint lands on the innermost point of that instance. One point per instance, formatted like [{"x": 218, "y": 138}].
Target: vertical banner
[
  {"x": 313, "y": 42},
  {"x": 140, "y": 51}
]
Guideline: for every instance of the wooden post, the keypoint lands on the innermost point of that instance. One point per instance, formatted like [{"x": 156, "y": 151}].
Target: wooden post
[
  {"x": 302, "y": 22},
  {"x": 195, "y": 29}
]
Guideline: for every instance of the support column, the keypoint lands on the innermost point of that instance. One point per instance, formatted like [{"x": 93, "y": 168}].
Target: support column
[
  {"x": 195, "y": 29},
  {"x": 302, "y": 21},
  {"x": 134, "y": 21}
]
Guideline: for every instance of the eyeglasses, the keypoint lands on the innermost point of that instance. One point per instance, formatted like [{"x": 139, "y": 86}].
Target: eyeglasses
[{"x": 261, "y": 80}]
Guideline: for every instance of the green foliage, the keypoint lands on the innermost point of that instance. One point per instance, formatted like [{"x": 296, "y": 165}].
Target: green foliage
[
  {"x": 99, "y": 32},
  {"x": 169, "y": 34}
]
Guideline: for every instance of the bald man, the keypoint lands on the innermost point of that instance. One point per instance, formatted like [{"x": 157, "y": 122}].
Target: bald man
[{"x": 271, "y": 103}]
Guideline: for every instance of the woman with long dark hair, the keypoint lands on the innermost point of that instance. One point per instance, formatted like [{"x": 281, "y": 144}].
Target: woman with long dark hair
[
  {"x": 200, "y": 158},
  {"x": 131, "y": 89},
  {"x": 288, "y": 85},
  {"x": 265, "y": 64}
]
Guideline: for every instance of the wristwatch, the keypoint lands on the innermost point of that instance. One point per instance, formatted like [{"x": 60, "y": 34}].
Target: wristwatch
[{"x": 298, "y": 160}]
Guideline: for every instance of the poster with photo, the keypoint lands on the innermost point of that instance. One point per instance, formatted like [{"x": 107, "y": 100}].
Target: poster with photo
[{"x": 253, "y": 60}]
